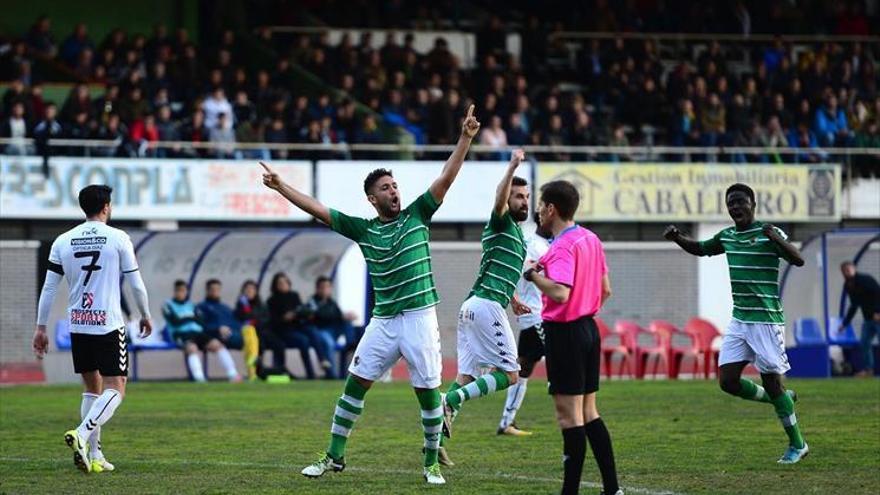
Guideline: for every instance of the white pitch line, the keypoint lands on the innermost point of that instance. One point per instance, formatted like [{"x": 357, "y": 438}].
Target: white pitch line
[{"x": 188, "y": 462}]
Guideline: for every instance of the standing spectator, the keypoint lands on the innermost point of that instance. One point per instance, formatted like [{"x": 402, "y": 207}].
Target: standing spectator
[
  {"x": 79, "y": 128},
  {"x": 573, "y": 277},
  {"x": 284, "y": 305},
  {"x": 15, "y": 127},
  {"x": 214, "y": 105},
  {"x": 187, "y": 332},
  {"x": 831, "y": 126},
  {"x": 46, "y": 129},
  {"x": 75, "y": 44},
  {"x": 39, "y": 38},
  {"x": 864, "y": 294},
  {"x": 495, "y": 137}
]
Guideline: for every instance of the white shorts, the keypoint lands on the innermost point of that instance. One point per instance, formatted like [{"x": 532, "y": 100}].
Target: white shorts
[
  {"x": 413, "y": 335},
  {"x": 759, "y": 343},
  {"x": 485, "y": 339}
]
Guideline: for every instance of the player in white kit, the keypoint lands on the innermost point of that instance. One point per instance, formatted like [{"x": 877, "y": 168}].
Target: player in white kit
[
  {"x": 92, "y": 257},
  {"x": 527, "y": 305}
]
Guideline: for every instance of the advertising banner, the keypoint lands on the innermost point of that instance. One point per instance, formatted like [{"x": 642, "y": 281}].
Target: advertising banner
[
  {"x": 695, "y": 192},
  {"x": 150, "y": 189}
]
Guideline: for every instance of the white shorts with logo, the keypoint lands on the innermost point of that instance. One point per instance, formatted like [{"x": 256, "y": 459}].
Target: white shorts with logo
[
  {"x": 413, "y": 335},
  {"x": 485, "y": 339},
  {"x": 759, "y": 343}
]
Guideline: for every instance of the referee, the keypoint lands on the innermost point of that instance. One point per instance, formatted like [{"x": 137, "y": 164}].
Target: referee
[{"x": 573, "y": 279}]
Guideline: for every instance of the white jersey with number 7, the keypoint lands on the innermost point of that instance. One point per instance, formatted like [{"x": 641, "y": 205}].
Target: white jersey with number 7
[{"x": 93, "y": 257}]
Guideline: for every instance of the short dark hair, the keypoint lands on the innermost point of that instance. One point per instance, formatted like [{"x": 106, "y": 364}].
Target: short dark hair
[
  {"x": 519, "y": 181},
  {"x": 179, "y": 283},
  {"x": 212, "y": 281},
  {"x": 740, "y": 187},
  {"x": 374, "y": 177},
  {"x": 563, "y": 196},
  {"x": 93, "y": 198},
  {"x": 847, "y": 263},
  {"x": 322, "y": 279}
]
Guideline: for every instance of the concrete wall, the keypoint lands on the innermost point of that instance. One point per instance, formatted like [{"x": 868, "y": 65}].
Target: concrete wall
[{"x": 18, "y": 300}]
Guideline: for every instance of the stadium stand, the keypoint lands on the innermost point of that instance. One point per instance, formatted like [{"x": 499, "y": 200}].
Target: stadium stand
[{"x": 280, "y": 85}]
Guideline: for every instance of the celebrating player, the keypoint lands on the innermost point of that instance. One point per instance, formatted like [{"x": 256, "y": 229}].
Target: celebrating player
[
  {"x": 404, "y": 323},
  {"x": 527, "y": 307},
  {"x": 487, "y": 354},
  {"x": 91, "y": 257},
  {"x": 757, "y": 331}
]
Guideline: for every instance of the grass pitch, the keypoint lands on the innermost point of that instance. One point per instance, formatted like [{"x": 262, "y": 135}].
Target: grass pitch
[{"x": 669, "y": 437}]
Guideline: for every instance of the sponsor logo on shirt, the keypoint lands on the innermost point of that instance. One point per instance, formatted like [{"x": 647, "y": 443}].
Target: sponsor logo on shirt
[
  {"x": 88, "y": 241},
  {"x": 88, "y": 317},
  {"x": 88, "y": 299}
]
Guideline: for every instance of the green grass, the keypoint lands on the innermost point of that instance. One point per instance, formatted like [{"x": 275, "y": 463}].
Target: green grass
[{"x": 678, "y": 437}]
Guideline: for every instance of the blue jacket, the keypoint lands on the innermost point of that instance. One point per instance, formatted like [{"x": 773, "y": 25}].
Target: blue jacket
[
  {"x": 827, "y": 124},
  {"x": 215, "y": 314}
]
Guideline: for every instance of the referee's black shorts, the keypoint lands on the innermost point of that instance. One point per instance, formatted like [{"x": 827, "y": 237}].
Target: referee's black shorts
[
  {"x": 573, "y": 352},
  {"x": 107, "y": 354}
]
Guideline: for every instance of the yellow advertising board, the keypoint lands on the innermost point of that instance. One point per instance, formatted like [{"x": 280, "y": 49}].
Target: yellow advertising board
[{"x": 694, "y": 192}]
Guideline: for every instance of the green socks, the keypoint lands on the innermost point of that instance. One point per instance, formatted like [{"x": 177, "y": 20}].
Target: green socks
[
  {"x": 348, "y": 409},
  {"x": 785, "y": 410},
  {"x": 484, "y": 385},
  {"x": 750, "y": 390},
  {"x": 432, "y": 422}
]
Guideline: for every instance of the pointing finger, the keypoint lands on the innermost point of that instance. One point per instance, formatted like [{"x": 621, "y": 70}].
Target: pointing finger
[
  {"x": 470, "y": 111},
  {"x": 267, "y": 168}
]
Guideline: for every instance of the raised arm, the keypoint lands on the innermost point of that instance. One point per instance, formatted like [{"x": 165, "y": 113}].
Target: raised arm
[
  {"x": 691, "y": 246},
  {"x": 502, "y": 192},
  {"x": 469, "y": 129},
  {"x": 303, "y": 201},
  {"x": 792, "y": 254}
]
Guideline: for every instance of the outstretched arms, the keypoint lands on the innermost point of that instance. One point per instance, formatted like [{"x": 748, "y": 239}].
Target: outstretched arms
[
  {"x": 469, "y": 129},
  {"x": 691, "y": 246},
  {"x": 303, "y": 201},
  {"x": 502, "y": 192}
]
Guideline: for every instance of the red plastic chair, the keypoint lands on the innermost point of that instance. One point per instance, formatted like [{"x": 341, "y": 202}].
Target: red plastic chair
[
  {"x": 614, "y": 343},
  {"x": 705, "y": 334},
  {"x": 680, "y": 345},
  {"x": 647, "y": 345}
]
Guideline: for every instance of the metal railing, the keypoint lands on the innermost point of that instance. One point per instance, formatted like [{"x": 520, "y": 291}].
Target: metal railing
[{"x": 436, "y": 148}]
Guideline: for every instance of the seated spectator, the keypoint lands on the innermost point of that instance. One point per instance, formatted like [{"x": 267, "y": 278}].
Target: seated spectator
[
  {"x": 214, "y": 105},
  {"x": 284, "y": 308},
  {"x": 683, "y": 130},
  {"x": 252, "y": 312},
  {"x": 223, "y": 136},
  {"x": 114, "y": 130},
  {"x": 218, "y": 318},
  {"x": 555, "y": 135},
  {"x": 517, "y": 134},
  {"x": 619, "y": 139},
  {"x": 583, "y": 134},
  {"x": 185, "y": 330},
  {"x": 194, "y": 130},
  {"x": 48, "y": 128},
  {"x": 713, "y": 123},
  {"x": 276, "y": 132},
  {"x": 133, "y": 107},
  {"x": 144, "y": 134},
  {"x": 75, "y": 44},
  {"x": 774, "y": 137},
  {"x": 831, "y": 125},
  {"x": 328, "y": 319},
  {"x": 168, "y": 131},
  {"x": 80, "y": 128},
  {"x": 495, "y": 137},
  {"x": 15, "y": 127},
  {"x": 803, "y": 138}
]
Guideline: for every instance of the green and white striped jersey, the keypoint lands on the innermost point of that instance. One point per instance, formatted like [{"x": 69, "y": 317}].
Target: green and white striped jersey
[
  {"x": 504, "y": 252},
  {"x": 397, "y": 256},
  {"x": 753, "y": 261}
]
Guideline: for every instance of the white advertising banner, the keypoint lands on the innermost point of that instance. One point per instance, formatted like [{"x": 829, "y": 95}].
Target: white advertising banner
[
  {"x": 340, "y": 185},
  {"x": 150, "y": 189}
]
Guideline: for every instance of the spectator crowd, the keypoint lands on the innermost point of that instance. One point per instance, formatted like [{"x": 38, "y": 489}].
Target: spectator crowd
[{"x": 558, "y": 91}]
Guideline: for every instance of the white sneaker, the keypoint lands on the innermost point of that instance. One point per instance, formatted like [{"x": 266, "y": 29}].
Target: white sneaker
[
  {"x": 322, "y": 465},
  {"x": 793, "y": 455},
  {"x": 101, "y": 465},
  {"x": 433, "y": 476}
]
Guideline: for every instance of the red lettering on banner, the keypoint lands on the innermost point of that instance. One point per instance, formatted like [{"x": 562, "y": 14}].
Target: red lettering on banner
[{"x": 256, "y": 204}]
